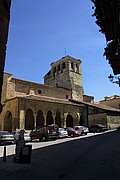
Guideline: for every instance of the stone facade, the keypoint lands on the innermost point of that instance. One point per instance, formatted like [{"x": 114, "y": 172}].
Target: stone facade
[
  {"x": 112, "y": 121},
  {"x": 60, "y": 100},
  {"x": 28, "y": 104},
  {"x": 66, "y": 73},
  {"x": 105, "y": 115},
  {"x": 13, "y": 87}
]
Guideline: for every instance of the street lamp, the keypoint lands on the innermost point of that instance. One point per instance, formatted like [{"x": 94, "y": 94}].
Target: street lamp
[{"x": 114, "y": 79}]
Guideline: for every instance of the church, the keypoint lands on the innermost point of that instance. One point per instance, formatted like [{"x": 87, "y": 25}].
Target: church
[{"x": 60, "y": 100}]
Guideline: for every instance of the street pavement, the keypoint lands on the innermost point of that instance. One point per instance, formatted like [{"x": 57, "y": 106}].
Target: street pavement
[{"x": 91, "y": 157}]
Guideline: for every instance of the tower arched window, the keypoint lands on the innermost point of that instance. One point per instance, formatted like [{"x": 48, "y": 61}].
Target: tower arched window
[
  {"x": 71, "y": 65},
  {"x": 54, "y": 69},
  {"x": 58, "y": 68},
  {"x": 63, "y": 65}
]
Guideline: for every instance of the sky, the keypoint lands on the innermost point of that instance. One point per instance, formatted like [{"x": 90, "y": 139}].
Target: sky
[{"x": 44, "y": 31}]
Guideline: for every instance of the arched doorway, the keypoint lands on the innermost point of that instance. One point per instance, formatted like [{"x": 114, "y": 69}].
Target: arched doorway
[
  {"x": 40, "y": 118},
  {"x": 58, "y": 119},
  {"x": 49, "y": 118},
  {"x": 69, "y": 121},
  {"x": 8, "y": 121},
  {"x": 29, "y": 120}
]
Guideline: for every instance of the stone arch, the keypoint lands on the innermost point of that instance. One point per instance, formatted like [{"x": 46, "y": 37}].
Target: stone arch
[
  {"x": 29, "y": 119},
  {"x": 58, "y": 118},
  {"x": 40, "y": 118},
  {"x": 71, "y": 119},
  {"x": 8, "y": 121},
  {"x": 49, "y": 118}
]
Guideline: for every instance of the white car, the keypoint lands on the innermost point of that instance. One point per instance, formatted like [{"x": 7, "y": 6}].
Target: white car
[
  {"x": 84, "y": 129},
  {"x": 16, "y": 135},
  {"x": 63, "y": 133},
  {"x": 6, "y": 137}
]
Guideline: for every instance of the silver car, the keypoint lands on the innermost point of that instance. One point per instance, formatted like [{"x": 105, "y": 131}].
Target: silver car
[
  {"x": 6, "y": 137},
  {"x": 63, "y": 133}
]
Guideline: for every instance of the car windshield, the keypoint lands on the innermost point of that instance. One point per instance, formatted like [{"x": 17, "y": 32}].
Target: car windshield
[
  {"x": 101, "y": 125},
  {"x": 76, "y": 128},
  {"x": 61, "y": 129},
  {"x": 71, "y": 129},
  {"x": 5, "y": 133}
]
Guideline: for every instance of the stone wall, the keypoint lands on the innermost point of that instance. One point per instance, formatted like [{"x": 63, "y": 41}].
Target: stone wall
[
  {"x": 15, "y": 87},
  {"x": 112, "y": 121},
  {"x": 97, "y": 118},
  {"x": 10, "y": 108}
]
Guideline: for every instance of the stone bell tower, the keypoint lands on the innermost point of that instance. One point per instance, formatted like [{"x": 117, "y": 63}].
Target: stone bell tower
[{"x": 66, "y": 73}]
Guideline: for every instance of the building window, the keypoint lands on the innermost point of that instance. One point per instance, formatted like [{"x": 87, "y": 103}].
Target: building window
[
  {"x": 71, "y": 65},
  {"x": 59, "y": 68},
  {"x": 63, "y": 65},
  {"x": 39, "y": 91},
  {"x": 54, "y": 69},
  {"x": 66, "y": 96}
]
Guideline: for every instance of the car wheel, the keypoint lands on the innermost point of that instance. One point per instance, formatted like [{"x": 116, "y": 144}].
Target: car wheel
[
  {"x": 43, "y": 138},
  {"x": 72, "y": 135}
]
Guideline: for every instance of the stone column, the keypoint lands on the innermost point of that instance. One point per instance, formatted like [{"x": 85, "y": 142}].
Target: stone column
[
  {"x": 35, "y": 115},
  {"x": 54, "y": 115},
  {"x": 77, "y": 120},
  {"x": 64, "y": 122},
  {"x": 22, "y": 119},
  {"x": 44, "y": 115},
  {"x": 74, "y": 67},
  {"x": 69, "y": 65}
]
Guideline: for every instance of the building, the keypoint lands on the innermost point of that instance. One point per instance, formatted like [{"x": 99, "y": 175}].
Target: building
[
  {"x": 60, "y": 100},
  {"x": 112, "y": 101},
  {"x": 100, "y": 113},
  {"x": 4, "y": 26},
  {"x": 28, "y": 104},
  {"x": 66, "y": 73}
]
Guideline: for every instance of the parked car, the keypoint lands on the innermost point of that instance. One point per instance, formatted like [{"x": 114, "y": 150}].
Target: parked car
[
  {"x": 97, "y": 128},
  {"x": 6, "y": 137},
  {"x": 84, "y": 129},
  {"x": 73, "y": 132},
  {"x": 16, "y": 135},
  {"x": 46, "y": 132},
  {"x": 63, "y": 132}
]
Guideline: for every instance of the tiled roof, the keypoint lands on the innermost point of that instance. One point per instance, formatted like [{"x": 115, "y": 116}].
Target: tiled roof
[
  {"x": 110, "y": 98},
  {"x": 47, "y": 99},
  {"x": 97, "y": 105},
  {"x": 67, "y": 101}
]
